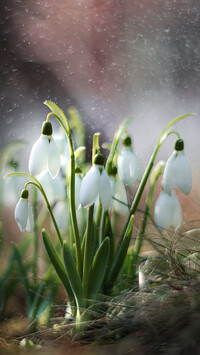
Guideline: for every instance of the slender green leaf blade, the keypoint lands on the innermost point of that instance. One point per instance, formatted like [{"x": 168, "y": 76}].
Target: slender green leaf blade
[
  {"x": 98, "y": 268},
  {"x": 58, "y": 266},
  {"x": 73, "y": 276},
  {"x": 118, "y": 134},
  {"x": 120, "y": 256}
]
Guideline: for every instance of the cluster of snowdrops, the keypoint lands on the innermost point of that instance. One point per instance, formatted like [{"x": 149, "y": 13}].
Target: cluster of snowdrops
[{"x": 90, "y": 257}]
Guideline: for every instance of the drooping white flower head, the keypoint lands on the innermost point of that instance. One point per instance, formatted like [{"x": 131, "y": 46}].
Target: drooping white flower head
[
  {"x": 63, "y": 146},
  {"x": 118, "y": 193},
  {"x": 177, "y": 171},
  {"x": 54, "y": 188},
  {"x": 167, "y": 211},
  {"x": 96, "y": 183},
  {"x": 45, "y": 153},
  {"x": 61, "y": 214},
  {"x": 78, "y": 181},
  {"x": 24, "y": 213},
  {"x": 129, "y": 166}
]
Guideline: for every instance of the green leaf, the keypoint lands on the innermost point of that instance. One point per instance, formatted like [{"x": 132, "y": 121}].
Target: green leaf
[
  {"x": 120, "y": 256},
  {"x": 95, "y": 145},
  {"x": 36, "y": 301},
  {"x": 44, "y": 310},
  {"x": 107, "y": 232},
  {"x": 9, "y": 278},
  {"x": 78, "y": 151},
  {"x": 78, "y": 129},
  {"x": 59, "y": 113},
  {"x": 98, "y": 268},
  {"x": 58, "y": 265},
  {"x": 74, "y": 277}
]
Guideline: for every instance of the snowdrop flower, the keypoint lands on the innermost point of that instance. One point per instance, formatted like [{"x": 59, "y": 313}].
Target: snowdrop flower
[
  {"x": 45, "y": 153},
  {"x": 63, "y": 146},
  {"x": 177, "y": 171},
  {"x": 54, "y": 188},
  {"x": 119, "y": 193},
  {"x": 61, "y": 214},
  {"x": 167, "y": 211},
  {"x": 24, "y": 213},
  {"x": 96, "y": 184},
  {"x": 78, "y": 181},
  {"x": 129, "y": 166}
]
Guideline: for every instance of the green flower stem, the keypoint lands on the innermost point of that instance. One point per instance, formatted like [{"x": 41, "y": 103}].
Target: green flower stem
[
  {"x": 73, "y": 208},
  {"x": 71, "y": 191},
  {"x": 113, "y": 149},
  {"x": 174, "y": 132},
  {"x": 88, "y": 250},
  {"x": 38, "y": 185},
  {"x": 164, "y": 134},
  {"x": 35, "y": 257},
  {"x": 158, "y": 170},
  {"x": 95, "y": 146},
  {"x": 118, "y": 134},
  {"x": 115, "y": 223},
  {"x": 98, "y": 217},
  {"x": 139, "y": 192}
]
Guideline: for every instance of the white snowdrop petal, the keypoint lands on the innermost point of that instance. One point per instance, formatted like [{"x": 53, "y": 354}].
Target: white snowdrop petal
[
  {"x": 53, "y": 158},
  {"x": 81, "y": 214},
  {"x": 177, "y": 216},
  {"x": 54, "y": 188},
  {"x": 138, "y": 167},
  {"x": 123, "y": 164},
  {"x": 112, "y": 184},
  {"x": 61, "y": 214},
  {"x": 21, "y": 213},
  {"x": 78, "y": 181},
  {"x": 46, "y": 181},
  {"x": 168, "y": 180},
  {"x": 59, "y": 188},
  {"x": 166, "y": 211},
  {"x": 90, "y": 187},
  {"x": 182, "y": 173},
  {"x": 105, "y": 190},
  {"x": 30, "y": 220},
  {"x": 121, "y": 208},
  {"x": 129, "y": 167},
  {"x": 39, "y": 155}
]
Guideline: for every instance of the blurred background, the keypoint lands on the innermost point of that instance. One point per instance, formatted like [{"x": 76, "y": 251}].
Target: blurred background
[{"x": 111, "y": 59}]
